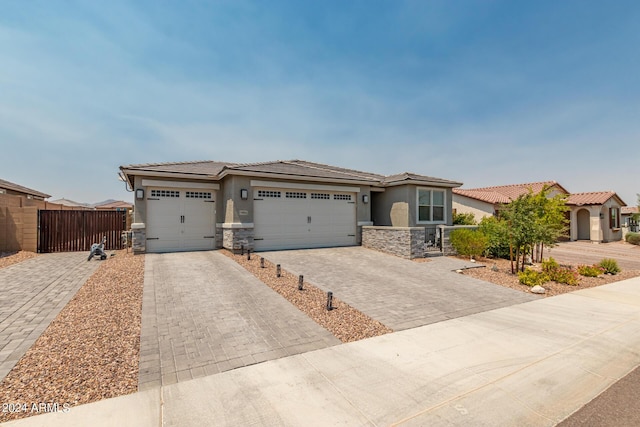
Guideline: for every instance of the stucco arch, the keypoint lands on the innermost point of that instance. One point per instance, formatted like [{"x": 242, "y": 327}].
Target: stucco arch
[{"x": 584, "y": 224}]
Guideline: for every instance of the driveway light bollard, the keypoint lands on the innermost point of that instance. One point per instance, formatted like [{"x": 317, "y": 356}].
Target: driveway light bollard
[
  {"x": 241, "y": 249},
  {"x": 261, "y": 262},
  {"x": 300, "y": 282},
  {"x": 278, "y": 271},
  {"x": 248, "y": 254},
  {"x": 329, "y": 301}
]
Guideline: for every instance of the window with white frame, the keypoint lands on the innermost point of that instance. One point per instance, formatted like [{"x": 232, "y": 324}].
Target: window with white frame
[{"x": 431, "y": 205}]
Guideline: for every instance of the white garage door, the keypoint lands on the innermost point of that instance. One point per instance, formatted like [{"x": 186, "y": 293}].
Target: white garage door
[
  {"x": 292, "y": 219},
  {"x": 180, "y": 219}
]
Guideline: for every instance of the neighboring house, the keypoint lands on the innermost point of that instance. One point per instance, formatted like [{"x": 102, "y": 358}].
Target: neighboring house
[
  {"x": 276, "y": 205},
  {"x": 626, "y": 216},
  {"x": 113, "y": 205},
  {"x": 70, "y": 203},
  {"x": 487, "y": 201},
  {"x": 10, "y": 188},
  {"x": 594, "y": 216}
]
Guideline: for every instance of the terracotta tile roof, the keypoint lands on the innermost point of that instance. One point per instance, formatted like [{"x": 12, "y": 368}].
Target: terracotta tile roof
[
  {"x": 505, "y": 193},
  {"x": 592, "y": 198},
  {"x": 21, "y": 189},
  {"x": 629, "y": 210}
]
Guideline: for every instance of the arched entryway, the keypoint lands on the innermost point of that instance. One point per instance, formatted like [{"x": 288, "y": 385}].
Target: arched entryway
[{"x": 584, "y": 229}]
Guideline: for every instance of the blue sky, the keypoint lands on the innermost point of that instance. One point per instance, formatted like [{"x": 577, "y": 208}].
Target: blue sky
[{"x": 483, "y": 92}]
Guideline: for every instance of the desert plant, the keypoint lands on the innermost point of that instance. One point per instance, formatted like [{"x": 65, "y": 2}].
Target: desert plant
[
  {"x": 497, "y": 236},
  {"x": 590, "y": 270},
  {"x": 565, "y": 275},
  {"x": 610, "y": 266},
  {"x": 633, "y": 238},
  {"x": 549, "y": 265},
  {"x": 468, "y": 242},
  {"x": 559, "y": 273},
  {"x": 532, "y": 278},
  {"x": 464, "y": 219}
]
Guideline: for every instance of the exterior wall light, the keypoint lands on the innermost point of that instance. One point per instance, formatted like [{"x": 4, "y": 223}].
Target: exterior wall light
[
  {"x": 244, "y": 194},
  {"x": 365, "y": 198},
  {"x": 139, "y": 194}
]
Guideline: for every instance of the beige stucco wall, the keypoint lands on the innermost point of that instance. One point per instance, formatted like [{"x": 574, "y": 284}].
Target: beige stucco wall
[
  {"x": 479, "y": 209},
  {"x": 398, "y": 206}
]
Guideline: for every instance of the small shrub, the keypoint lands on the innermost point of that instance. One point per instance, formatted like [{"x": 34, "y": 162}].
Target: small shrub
[
  {"x": 464, "y": 219},
  {"x": 590, "y": 270},
  {"x": 468, "y": 242},
  {"x": 498, "y": 236},
  {"x": 532, "y": 278},
  {"x": 559, "y": 273},
  {"x": 549, "y": 265},
  {"x": 633, "y": 238},
  {"x": 565, "y": 275},
  {"x": 610, "y": 266}
]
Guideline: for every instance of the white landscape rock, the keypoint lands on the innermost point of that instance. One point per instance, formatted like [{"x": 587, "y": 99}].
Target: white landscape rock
[{"x": 537, "y": 289}]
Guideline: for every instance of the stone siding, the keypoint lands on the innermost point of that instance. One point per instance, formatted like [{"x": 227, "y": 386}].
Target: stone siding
[
  {"x": 139, "y": 239},
  {"x": 405, "y": 242},
  {"x": 235, "y": 238}
]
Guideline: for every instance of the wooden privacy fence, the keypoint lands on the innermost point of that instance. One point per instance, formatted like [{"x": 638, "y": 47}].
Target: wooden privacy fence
[{"x": 68, "y": 231}]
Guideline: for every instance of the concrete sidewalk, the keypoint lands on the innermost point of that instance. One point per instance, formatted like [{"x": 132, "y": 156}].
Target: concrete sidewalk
[{"x": 531, "y": 364}]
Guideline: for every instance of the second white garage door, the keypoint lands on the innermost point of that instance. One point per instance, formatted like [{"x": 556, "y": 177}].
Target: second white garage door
[
  {"x": 180, "y": 219},
  {"x": 296, "y": 219}
]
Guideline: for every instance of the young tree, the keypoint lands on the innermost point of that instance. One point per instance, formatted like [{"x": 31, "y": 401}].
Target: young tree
[{"x": 533, "y": 220}]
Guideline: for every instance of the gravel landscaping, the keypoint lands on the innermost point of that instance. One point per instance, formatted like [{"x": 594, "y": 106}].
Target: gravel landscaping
[
  {"x": 10, "y": 258},
  {"x": 90, "y": 351},
  {"x": 503, "y": 277},
  {"x": 344, "y": 322}
]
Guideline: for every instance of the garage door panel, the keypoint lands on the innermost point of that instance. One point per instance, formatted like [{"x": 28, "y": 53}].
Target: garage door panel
[
  {"x": 305, "y": 219},
  {"x": 180, "y": 220}
]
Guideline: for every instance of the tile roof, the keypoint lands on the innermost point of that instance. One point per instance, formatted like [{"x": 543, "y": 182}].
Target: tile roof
[
  {"x": 408, "y": 176},
  {"x": 505, "y": 193},
  {"x": 19, "y": 188},
  {"x": 307, "y": 169},
  {"x": 629, "y": 210},
  {"x": 284, "y": 168},
  {"x": 591, "y": 198},
  {"x": 207, "y": 167}
]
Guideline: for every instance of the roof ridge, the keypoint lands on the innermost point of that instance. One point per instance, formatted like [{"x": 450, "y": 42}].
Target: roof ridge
[
  {"x": 526, "y": 184},
  {"x": 321, "y": 166}
]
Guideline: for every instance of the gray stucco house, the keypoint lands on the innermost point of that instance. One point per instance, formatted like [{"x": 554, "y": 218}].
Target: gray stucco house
[{"x": 282, "y": 205}]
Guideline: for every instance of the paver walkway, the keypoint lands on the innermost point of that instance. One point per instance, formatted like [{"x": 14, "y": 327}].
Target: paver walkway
[
  {"x": 33, "y": 293},
  {"x": 401, "y": 294},
  {"x": 202, "y": 314}
]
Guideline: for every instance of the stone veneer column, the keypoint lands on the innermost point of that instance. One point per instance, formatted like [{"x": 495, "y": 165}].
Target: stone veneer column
[
  {"x": 237, "y": 235},
  {"x": 138, "y": 238}
]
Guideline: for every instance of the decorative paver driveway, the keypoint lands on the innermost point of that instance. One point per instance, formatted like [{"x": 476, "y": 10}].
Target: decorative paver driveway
[
  {"x": 33, "y": 293},
  {"x": 202, "y": 314},
  {"x": 399, "y": 293}
]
